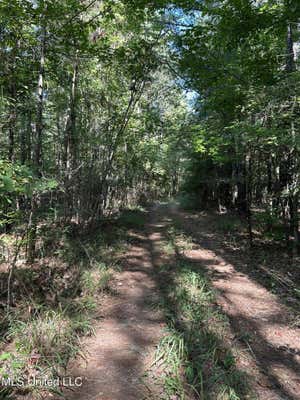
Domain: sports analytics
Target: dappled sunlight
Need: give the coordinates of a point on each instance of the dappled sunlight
(116, 118)
(273, 345)
(122, 349)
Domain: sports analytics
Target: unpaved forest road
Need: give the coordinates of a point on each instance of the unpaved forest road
(124, 344)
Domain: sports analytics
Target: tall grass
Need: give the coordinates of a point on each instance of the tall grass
(196, 359)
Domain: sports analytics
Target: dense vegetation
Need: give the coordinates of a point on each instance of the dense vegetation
(94, 115)
(241, 58)
(110, 105)
(83, 107)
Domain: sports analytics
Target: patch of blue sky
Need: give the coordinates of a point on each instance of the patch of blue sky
(181, 19)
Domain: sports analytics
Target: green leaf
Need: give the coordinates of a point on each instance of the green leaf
(5, 356)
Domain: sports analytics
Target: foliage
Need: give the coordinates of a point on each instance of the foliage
(106, 106)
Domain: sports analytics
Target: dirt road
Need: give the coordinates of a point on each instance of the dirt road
(120, 353)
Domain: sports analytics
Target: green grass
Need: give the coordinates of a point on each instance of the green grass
(55, 304)
(196, 361)
(168, 247)
(52, 335)
(96, 280)
(40, 347)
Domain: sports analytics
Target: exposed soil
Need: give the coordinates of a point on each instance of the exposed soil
(258, 319)
(119, 356)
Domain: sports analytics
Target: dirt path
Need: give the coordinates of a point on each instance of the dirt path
(123, 348)
(124, 345)
(255, 314)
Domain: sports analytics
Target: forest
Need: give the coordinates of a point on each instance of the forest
(149, 199)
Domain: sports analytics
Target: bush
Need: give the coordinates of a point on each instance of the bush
(132, 218)
(189, 201)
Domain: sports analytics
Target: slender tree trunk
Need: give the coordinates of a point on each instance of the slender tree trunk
(290, 56)
(32, 229)
(12, 123)
(294, 221)
(23, 135)
(40, 105)
(71, 144)
(71, 134)
(134, 98)
(294, 197)
(293, 159)
(31, 233)
(29, 137)
(248, 163)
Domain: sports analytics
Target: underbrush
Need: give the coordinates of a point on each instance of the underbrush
(132, 218)
(54, 303)
(189, 201)
(228, 224)
(271, 227)
(40, 339)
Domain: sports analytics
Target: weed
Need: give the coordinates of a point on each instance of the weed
(168, 247)
(82, 305)
(184, 242)
(192, 352)
(82, 325)
(95, 280)
(40, 348)
(50, 335)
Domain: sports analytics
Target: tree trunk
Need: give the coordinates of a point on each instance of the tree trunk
(40, 105)
(71, 144)
(290, 56)
(248, 169)
(32, 229)
(12, 123)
